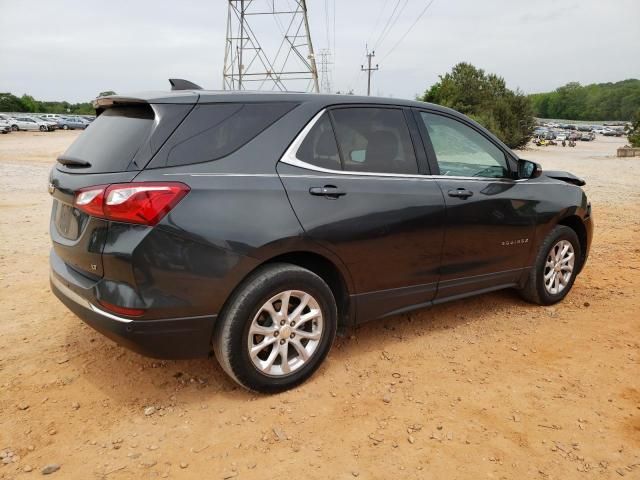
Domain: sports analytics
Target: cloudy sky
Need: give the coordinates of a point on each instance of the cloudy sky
(73, 49)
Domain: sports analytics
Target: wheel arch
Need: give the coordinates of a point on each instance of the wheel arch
(329, 272)
(576, 223)
(333, 273)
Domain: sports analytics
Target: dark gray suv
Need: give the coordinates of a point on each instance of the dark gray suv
(256, 225)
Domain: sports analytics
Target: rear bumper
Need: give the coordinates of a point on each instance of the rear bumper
(174, 338)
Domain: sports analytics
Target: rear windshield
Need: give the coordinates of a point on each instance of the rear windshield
(213, 131)
(113, 138)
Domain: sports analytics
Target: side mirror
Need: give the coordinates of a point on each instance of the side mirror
(528, 169)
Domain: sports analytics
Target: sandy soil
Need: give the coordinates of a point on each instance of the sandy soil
(489, 387)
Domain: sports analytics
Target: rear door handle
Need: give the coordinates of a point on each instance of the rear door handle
(329, 191)
(460, 193)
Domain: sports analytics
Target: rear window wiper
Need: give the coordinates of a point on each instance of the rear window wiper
(73, 162)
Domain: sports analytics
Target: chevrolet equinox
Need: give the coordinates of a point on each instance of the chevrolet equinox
(257, 224)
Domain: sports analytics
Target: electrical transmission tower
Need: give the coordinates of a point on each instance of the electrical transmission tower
(325, 76)
(369, 69)
(269, 48)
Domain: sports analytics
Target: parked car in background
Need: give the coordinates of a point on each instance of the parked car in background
(561, 137)
(10, 120)
(31, 123)
(587, 136)
(51, 124)
(260, 223)
(610, 132)
(70, 123)
(574, 136)
(50, 116)
(4, 126)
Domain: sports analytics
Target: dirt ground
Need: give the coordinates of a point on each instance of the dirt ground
(489, 387)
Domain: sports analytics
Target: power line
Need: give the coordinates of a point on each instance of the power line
(409, 29)
(395, 20)
(393, 12)
(384, 6)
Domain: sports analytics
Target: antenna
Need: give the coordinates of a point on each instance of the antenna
(288, 64)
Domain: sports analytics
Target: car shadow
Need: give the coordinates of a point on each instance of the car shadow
(125, 376)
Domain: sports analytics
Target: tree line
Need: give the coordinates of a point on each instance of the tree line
(598, 101)
(28, 104)
(509, 114)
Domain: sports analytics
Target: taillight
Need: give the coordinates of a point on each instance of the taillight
(131, 312)
(142, 202)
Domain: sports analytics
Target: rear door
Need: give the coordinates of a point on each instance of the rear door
(490, 216)
(356, 183)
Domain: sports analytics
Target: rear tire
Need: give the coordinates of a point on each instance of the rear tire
(556, 266)
(255, 332)
(14, 128)
(43, 128)
(65, 127)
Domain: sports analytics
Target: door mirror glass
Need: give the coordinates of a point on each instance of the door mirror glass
(528, 169)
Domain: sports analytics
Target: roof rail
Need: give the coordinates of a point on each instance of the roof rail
(181, 84)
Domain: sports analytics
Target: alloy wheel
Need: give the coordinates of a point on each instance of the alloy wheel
(558, 268)
(285, 333)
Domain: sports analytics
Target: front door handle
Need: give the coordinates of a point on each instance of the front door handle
(329, 191)
(460, 193)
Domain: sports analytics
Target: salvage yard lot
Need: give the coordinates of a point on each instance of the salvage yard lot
(489, 387)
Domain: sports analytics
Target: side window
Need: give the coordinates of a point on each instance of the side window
(374, 140)
(461, 151)
(319, 147)
(213, 131)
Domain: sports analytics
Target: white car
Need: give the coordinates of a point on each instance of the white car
(561, 137)
(28, 123)
(10, 120)
(5, 127)
(50, 116)
(52, 124)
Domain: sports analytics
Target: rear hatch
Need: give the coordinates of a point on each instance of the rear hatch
(113, 149)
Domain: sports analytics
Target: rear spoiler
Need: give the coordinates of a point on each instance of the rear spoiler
(183, 92)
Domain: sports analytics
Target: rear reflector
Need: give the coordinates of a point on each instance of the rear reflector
(130, 312)
(141, 202)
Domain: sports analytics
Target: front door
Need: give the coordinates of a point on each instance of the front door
(490, 217)
(358, 191)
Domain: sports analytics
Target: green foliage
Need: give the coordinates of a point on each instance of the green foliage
(634, 131)
(28, 104)
(601, 101)
(486, 99)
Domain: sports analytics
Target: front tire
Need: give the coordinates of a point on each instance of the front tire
(276, 329)
(555, 269)
(43, 128)
(65, 127)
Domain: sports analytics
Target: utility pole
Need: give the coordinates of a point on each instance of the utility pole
(369, 69)
(286, 64)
